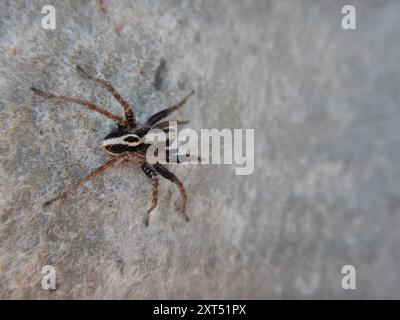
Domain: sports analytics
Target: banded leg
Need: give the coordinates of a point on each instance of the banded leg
(151, 173)
(173, 178)
(90, 176)
(129, 114)
(166, 112)
(141, 131)
(173, 156)
(84, 103)
(165, 124)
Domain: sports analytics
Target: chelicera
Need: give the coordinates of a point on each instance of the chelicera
(127, 142)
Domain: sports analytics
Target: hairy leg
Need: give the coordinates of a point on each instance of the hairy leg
(165, 124)
(173, 178)
(151, 173)
(173, 156)
(129, 114)
(166, 112)
(84, 103)
(90, 176)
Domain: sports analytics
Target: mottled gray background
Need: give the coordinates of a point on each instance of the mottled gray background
(324, 103)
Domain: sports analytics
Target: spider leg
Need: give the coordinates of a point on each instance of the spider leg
(152, 174)
(129, 114)
(166, 112)
(173, 178)
(90, 176)
(165, 124)
(84, 103)
(173, 154)
(143, 130)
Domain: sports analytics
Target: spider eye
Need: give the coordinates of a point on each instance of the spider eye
(131, 139)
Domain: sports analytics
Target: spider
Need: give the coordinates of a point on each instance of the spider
(126, 142)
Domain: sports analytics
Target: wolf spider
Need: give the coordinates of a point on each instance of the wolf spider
(127, 142)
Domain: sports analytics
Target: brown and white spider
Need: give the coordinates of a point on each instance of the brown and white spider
(127, 142)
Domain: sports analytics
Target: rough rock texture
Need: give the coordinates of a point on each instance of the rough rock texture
(324, 103)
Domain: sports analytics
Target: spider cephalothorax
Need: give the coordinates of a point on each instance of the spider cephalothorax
(119, 142)
(128, 142)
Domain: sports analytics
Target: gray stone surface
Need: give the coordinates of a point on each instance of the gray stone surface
(324, 104)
